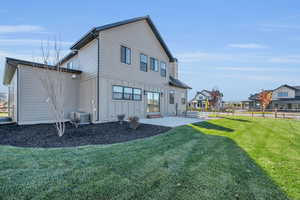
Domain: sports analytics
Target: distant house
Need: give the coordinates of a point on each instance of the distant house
(119, 68)
(285, 97)
(201, 98)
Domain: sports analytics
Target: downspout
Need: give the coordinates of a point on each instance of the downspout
(98, 76)
(18, 95)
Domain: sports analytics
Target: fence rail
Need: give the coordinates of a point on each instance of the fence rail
(270, 113)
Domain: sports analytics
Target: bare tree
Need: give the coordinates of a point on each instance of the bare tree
(52, 81)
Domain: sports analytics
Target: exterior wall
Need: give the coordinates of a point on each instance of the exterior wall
(33, 107)
(291, 93)
(139, 38)
(88, 97)
(110, 108)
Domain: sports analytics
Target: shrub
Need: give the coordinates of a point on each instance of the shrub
(134, 122)
(121, 118)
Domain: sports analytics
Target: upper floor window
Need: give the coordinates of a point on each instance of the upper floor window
(283, 94)
(125, 55)
(153, 64)
(171, 97)
(163, 69)
(143, 62)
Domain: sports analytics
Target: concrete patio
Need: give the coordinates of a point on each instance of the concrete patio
(171, 121)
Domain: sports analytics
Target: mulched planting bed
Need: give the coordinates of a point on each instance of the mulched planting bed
(45, 135)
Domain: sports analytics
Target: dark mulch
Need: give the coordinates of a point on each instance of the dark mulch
(45, 135)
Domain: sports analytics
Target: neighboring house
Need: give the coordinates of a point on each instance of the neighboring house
(120, 68)
(198, 102)
(201, 98)
(284, 97)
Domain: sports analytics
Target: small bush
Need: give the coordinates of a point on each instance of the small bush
(121, 118)
(134, 122)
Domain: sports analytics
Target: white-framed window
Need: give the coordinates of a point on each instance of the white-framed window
(154, 64)
(163, 69)
(143, 62)
(125, 55)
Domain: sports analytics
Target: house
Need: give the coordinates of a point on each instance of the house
(200, 99)
(206, 97)
(285, 97)
(119, 68)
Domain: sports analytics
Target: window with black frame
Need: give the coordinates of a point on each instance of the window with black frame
(154, 64)
(153, 102)
(163, 69)
(143, 62)
(137, 94)
(117, 92)
(125, 55)
(127, 93)
(171, 97)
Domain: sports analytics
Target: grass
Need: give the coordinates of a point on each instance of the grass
(230, 158)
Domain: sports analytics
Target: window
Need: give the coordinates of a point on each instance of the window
(153, 104)
(117, 92)
(70, 65)
(137, 94)
(154, 64)
(163, 70)
(283, 94)
(143, 62)
(171, 97)
(125, 55)
(126, 93)
(183, 101)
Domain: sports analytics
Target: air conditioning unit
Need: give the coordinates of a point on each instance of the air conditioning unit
(80, 117)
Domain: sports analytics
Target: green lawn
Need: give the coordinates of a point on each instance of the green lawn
(233, 158)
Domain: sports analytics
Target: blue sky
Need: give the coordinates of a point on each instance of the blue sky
(240, 47)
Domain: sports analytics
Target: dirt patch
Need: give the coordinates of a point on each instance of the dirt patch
(45, 135)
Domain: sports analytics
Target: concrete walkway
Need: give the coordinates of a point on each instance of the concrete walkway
(171, 121)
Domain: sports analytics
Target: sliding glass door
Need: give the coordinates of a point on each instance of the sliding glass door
(153, 99)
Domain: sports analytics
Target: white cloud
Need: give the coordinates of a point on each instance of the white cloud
(20, 28)
(286, 59)
(194, 57)
(32, 42)
(202, 56)
(257, 69)
(248, 46)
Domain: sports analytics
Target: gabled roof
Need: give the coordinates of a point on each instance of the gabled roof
(288, 86)
(177, 83)
(94, 32)
(12, 64)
